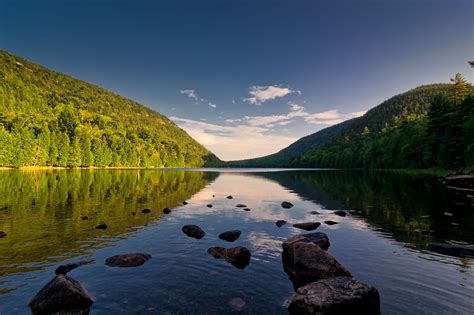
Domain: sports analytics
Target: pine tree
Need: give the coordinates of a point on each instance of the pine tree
(459, 90)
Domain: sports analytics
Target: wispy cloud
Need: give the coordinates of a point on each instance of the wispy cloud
(261, 94)
(234, 142)
(212, 105)
(190, 93)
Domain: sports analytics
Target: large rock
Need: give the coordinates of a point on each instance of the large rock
(318, 238)
(341, 295)
(127, 260)
(192, 230)
(457, 250)
(238, 256)
(61, 295)
(286, 205)
(308, 226)
(230, 236)
(306, 262)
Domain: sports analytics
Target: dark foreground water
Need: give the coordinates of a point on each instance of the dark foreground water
(382, 242)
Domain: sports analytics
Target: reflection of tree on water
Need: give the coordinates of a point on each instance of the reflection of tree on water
(41, 210)
(396, 202)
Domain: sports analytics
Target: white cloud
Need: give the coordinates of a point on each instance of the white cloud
(330, 117)
(261, 94)
(234, 142)
(190, 93)
(212, 105)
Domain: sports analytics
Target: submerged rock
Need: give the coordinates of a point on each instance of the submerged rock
(229, 197)
(458, 250)
(192, 230)
(127, 260)
(306, 262)
(230, 236)
(102, 226)
(64, 269)
(318, 238)
(340, 213)
(237, 304)
(62, 294)
(280, 223)
(341, 295)
(166, 210)
(146, 210)
(240, 205)
(2, 234)
(286, 204)
(329, 222)
(238, 256)
(308, 226)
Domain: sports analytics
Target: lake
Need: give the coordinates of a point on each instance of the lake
(382, 241)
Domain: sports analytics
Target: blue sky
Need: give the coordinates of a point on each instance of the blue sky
(246, 77)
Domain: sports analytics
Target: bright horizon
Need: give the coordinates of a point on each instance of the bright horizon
(247, 79)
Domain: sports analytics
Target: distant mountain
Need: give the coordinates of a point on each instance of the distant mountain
(394, 134)
(48, 118)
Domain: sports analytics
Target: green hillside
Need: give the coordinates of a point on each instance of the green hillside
(51, 119)
(429, 126)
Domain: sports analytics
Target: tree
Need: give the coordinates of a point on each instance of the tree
(459, 90)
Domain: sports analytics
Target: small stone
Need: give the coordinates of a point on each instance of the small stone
(241, 205)
(340, 213)
(329, 222)
(134, 213)
(102, 226)
(166, 210)
(280, 223)
(146, 210)
(2, 234)
(314, 212)
(230, 236)
(84, 217)
(209, 206)
(237, 304)
(127, 260)
(247, 209)
(286, 204)
(229, 197)
(308, 226)
(184, 203)
(192, 230)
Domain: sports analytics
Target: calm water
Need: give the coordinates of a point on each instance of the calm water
(379, 242)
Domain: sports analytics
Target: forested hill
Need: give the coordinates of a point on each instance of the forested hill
(47, 118)
(429, 126)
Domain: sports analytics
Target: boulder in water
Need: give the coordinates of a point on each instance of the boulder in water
(127, 260)
(308, 226)
(280, 223)
(166, 210)
(230, 236)
(63, 295)
(286, 205)
(329, 222)
(340, 295)
(102, 226)
(192, 230)
(238, 256)
(146, 210)
(340, 213)
(2, 234)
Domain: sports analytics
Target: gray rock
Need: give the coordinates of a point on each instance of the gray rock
(340, 213)
(308, 226)
(238, 256)
(192, 230)
(286, 204)
(62, 294)
(230, 236)
(306, 262)
(341, 295)
(318, 238)
(127, 260)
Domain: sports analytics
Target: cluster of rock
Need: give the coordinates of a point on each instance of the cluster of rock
(323, 285)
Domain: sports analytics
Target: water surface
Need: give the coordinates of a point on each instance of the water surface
(383, 241)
